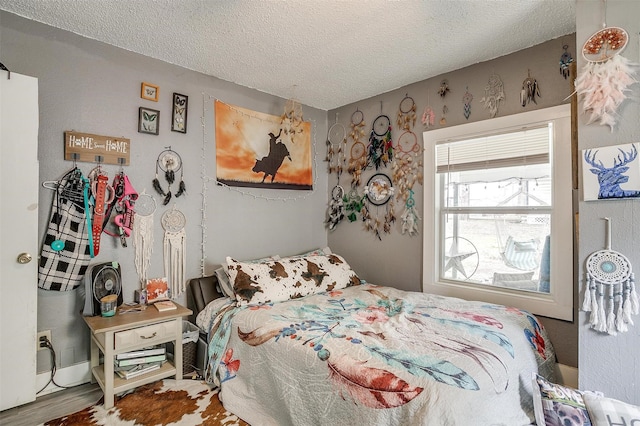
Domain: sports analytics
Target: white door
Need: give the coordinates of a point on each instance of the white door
(18, 238)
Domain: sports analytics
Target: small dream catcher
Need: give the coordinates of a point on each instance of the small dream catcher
(466, 100)
(565, 62)
(606, 75)
(291, 120)
(336, 207)
(357, 158)
(406, 113)
(380, 149)
(378, 192)
(493, 94)
(174, 249)
(336, 136)
(143, 234)
(170, 163)
(407, 169)
(410, 216)
(530, 90)
(610, 288)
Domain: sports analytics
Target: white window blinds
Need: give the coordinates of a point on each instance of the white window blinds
(529, 146)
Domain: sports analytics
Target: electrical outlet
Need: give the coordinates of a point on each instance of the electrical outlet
(41, 334)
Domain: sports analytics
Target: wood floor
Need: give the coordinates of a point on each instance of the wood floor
(52, 406)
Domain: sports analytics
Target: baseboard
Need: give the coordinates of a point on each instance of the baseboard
(567, 375)
(73, 375)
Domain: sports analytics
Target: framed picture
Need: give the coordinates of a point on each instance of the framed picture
(157, 289)
(611, 172)
(179, 117)
(148, 120)
(150, 92)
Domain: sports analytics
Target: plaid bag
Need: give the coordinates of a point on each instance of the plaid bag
(64, 270)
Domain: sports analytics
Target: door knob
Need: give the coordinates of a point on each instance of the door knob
(24, 258)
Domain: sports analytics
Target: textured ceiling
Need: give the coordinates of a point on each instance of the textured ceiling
(325, 53)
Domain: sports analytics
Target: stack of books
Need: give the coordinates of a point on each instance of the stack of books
(136, 363)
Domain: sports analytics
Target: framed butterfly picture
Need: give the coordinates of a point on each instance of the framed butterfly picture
(179, 117)
(148, 120)
(150, 92)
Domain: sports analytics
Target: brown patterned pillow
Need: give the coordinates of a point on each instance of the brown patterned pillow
(288, 278)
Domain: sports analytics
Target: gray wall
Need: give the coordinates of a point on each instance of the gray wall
(609, 363)
(91, 87)
(397, 259)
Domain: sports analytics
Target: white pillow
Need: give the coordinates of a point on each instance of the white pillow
(608, 411)
(288, 278)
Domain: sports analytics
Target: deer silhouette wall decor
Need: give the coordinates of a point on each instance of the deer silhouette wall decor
(611, 178)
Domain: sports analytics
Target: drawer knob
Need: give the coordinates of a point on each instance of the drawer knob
(150, 337)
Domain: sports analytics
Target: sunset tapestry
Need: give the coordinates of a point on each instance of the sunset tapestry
(253, 149)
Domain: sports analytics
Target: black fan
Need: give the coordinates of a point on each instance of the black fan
(101, 280)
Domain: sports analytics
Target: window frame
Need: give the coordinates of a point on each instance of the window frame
(558, 303)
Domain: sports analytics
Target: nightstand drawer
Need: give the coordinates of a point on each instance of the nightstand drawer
(147, 335)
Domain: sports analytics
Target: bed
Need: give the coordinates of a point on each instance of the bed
(303, 341)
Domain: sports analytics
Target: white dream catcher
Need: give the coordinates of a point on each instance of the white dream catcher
(143, 234)
(606, 76)
(610, 294)
(493, 94)
(173, 222)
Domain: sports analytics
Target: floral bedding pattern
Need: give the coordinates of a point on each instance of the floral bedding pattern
(376, 355)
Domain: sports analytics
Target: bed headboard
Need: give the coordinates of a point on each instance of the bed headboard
(201, 291)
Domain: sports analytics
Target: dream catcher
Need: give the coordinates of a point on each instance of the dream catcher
(610, 288)
(143, 234)
(407, 166)
(406, 113)
(466, 100)
(378, 192)
(530, 90)
(336, 136)
(443, 89)
(291, 120)
(410, 216)
(565, 62)
(357, 158)
(170, 163)
(606, 75)
(493, 95)
(353, 204)
(336, 207)
(380, 149)
(174, 245)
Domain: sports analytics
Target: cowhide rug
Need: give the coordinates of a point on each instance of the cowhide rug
(165, 402)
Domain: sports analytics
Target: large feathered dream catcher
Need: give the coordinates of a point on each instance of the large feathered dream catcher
(606, 76)
(610, 294)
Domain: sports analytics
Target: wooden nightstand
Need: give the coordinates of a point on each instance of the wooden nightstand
(132, 331)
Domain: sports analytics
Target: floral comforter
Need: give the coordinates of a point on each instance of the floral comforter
(371, 355)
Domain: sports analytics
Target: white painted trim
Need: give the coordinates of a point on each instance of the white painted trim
(557, 304)
(73, 375)
(567, 375)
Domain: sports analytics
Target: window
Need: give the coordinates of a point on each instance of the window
(498, 212)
